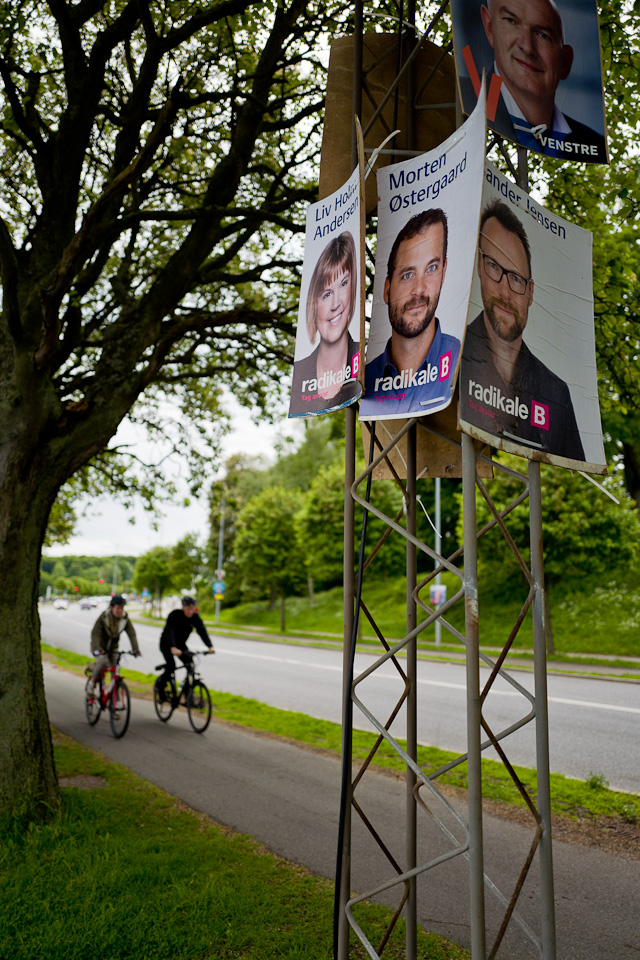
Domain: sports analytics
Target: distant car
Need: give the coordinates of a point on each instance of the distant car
(85, 604)
(60, 604)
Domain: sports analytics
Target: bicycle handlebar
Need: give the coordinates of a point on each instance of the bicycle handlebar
(181, 665)
(120, 653)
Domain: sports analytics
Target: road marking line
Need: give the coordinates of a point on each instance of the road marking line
(437, 683)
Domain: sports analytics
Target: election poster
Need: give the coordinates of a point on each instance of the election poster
(528, 381)
(327, 354)
(544, 72)
(428, 210)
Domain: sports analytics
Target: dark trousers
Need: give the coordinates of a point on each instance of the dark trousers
(170, 664)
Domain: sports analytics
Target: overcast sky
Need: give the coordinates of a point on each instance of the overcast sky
(107, 530)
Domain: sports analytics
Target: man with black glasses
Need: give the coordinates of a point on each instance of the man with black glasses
(504, 389)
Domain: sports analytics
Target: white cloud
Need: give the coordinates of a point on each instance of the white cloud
(107, 530)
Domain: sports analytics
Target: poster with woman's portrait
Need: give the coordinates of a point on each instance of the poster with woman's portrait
(327, 351)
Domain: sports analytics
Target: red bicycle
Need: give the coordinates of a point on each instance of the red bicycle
(111, 695)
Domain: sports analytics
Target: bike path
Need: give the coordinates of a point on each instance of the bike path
(288, 798)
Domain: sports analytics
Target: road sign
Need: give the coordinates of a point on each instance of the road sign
(218, 588)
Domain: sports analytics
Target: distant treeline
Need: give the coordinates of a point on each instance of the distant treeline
(64, 574)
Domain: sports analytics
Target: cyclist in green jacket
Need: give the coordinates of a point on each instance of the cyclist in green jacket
(105, 637)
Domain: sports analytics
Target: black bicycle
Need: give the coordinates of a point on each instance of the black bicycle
(111, 695)
(193, 694)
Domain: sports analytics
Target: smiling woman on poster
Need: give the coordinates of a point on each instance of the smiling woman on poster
(325, 380)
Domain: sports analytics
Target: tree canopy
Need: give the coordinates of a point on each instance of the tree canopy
(268, 553)
(154, 159)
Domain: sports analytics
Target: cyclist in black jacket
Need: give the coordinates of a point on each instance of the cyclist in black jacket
(173, 642)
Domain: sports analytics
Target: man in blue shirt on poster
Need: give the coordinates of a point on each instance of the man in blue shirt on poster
(413, 374)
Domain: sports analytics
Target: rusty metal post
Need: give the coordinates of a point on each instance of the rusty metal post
(342, 939)
(474, 762)
(347, 705)
(542, 716)
(411, 913)
(411, 909)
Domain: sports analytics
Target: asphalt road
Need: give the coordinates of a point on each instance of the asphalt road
(288, 798)
(594, 724)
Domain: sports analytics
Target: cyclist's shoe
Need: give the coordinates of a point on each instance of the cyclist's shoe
(162, 693)
(90, 690)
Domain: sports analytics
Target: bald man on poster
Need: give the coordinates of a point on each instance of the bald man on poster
(531, 58)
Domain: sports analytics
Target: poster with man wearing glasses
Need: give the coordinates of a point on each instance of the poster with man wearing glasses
(528, 380)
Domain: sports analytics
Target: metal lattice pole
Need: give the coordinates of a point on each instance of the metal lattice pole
(412, 699)
(542, 715)
(474, 761)
(469, 843)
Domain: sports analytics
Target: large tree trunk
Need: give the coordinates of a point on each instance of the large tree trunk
(273, 596)
(28, 782)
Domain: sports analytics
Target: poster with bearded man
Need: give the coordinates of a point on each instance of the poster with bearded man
(528, 382)
(428, 210)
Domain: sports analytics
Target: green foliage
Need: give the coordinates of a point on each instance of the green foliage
(187, 562)
(165, 568)
(295, 470)
(62, 521)
(583, 530)
(597, 781)
(154, 571)
(321, 447)
(70, 571)
(320, 526)
(267, 550)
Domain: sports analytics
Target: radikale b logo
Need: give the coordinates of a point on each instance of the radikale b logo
(445, 366)
(540, 415)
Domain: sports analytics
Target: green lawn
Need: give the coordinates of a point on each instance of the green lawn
(598, 615)
(124, 871)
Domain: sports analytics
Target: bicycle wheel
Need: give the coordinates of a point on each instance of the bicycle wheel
(164, 708)
(199, 707)
(92, 706)
(119, 710)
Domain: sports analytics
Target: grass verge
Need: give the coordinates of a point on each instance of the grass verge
(127, 871)
(577, 800)
(592, 615)
(566, 663)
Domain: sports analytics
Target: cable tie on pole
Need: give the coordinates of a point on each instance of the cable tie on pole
(599, 486)
(376, 152)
